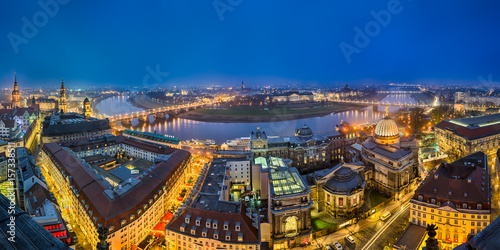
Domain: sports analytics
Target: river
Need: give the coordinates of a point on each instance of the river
(185, 129)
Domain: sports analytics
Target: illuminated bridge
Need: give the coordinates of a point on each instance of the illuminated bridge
(379, 103)
(158, 113)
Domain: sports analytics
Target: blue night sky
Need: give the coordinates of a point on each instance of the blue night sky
(112, 43)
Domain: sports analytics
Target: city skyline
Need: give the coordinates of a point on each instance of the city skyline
(250, 125)
(117, 45)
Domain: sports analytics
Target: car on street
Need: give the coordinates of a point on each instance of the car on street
(350, 239)
(337, 246)
(385, 216)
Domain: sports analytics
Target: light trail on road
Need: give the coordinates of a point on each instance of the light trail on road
(381, 231)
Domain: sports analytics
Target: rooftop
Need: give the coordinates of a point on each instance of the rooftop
(286, 181)
(464, 180)
(29, 234)
(152, 136)
(412, 237)
(112, 204)
(71, 123)
(475, 127)
(388, 151)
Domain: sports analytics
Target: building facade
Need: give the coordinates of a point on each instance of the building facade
(469, 135)
(87, 112)
(16, 95)
(72, 126)
(305, 149)
(339, 191)
(127, 210)
(455, 197)
(394, 169)
(63, 106)
(289, 208)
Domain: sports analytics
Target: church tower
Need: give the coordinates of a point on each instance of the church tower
(16, 96)
(63, 107)
(86, 108)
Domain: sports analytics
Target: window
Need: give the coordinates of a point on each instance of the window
(479, 206)
(226, 225)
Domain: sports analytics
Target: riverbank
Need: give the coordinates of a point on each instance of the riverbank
(254, 114)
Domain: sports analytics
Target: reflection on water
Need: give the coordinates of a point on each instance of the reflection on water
(185, 129)
(116, 105)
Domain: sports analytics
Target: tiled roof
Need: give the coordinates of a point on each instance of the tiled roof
(29, 234)
(249, 233)
(73, 128)
(92, 187)
(470, 132)
(463, 181)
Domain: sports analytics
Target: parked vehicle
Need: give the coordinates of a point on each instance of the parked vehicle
(350, 239)
(337, 246)
(385, 216)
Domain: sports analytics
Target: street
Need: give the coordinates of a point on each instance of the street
(371, 233)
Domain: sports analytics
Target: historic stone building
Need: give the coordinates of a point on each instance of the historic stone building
(292, 96)
(305, 149)
(469, 135)
(86, 108)
(394, 168)
(16, 96)
(63, 106)
(289, 208)
(339, 190)
(456, 198)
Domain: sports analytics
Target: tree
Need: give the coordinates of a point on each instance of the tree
(437, 114)
(417, 119)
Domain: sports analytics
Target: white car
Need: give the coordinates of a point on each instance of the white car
(350, 239)
(338, 246)
(385, 216)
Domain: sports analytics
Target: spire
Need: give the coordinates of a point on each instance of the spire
(15, 77)
(387, 111)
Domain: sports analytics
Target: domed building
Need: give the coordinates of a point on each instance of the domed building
(339, 190)
(386, 131)
(393, 166)
(304, 132)
(344, 192)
